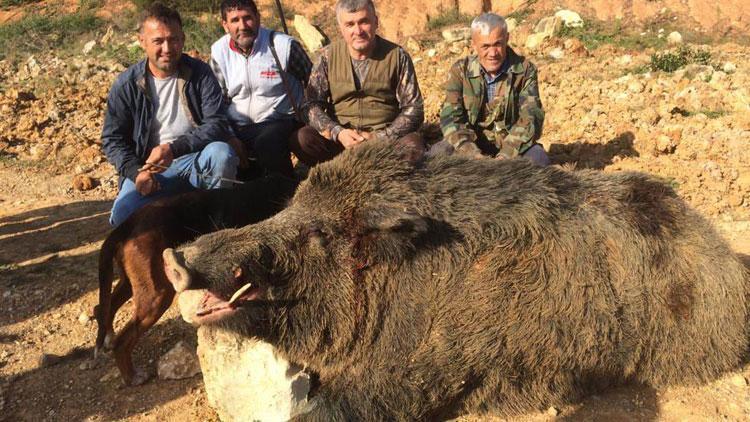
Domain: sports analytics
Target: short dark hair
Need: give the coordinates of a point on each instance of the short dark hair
(228, 5)
(161, 13)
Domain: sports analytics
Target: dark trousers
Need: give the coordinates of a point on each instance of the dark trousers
(267, 143)
(312, 148)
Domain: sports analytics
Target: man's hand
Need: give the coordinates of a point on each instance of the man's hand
(161, 156)
(146, 183)
(350, 138)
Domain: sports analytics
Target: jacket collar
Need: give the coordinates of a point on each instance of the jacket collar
(184, 71)
(474, 69)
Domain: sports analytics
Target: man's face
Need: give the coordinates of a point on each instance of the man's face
(358, 29)
(491, 49)
(163, 46)
(242, 26)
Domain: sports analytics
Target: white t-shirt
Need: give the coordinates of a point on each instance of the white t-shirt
(170, 116)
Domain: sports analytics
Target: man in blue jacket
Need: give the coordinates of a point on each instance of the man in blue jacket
(165, 125)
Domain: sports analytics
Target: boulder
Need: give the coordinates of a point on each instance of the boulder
(456, 34)
(309, 34)
(674, 38)
(246, 379)
(178, 363)
(548, 26)
(570, 18)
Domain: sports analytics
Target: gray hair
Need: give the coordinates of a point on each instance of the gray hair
(487, 22)
(351, 6)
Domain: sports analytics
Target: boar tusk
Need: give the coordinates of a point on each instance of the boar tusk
(240, 292)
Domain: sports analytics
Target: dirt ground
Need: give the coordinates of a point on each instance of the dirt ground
(691, 128)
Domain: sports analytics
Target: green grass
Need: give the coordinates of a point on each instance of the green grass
(450, 17)
(521, 14)
(673, 60)
(45, 33)
(4, 4)
(184, 5)
(200, 34)
(593, 34)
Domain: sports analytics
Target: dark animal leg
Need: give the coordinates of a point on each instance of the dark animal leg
(144, 317)
(122, 292)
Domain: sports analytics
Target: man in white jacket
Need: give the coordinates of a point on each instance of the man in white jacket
(262, 97)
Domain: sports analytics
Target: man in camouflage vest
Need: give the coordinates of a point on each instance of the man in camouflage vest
(492, 106)
(363, 88)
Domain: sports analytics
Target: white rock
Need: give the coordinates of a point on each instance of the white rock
(548, 26)
(431, 52)
(729, 67)
(625, 60)
(570, 18)
(83, 318)
(179, 363)
(557, 53)
(413, 45)
(456, 34)
(309, 34)
(533, 41)
(738, 380)
(674, 37)
(635, 87)
(512, 24)
(553, 411)
(89, 46)
(247, 380)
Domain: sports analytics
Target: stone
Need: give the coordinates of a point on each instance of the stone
(246, 379)
(88, 47)
(570, 18)
(729, 67)
(738, 380)
(575, 47)
(664, 144)
(674, 38)
(456, 34)
(635, 87)
(179, 363)
(82, 182)
(698, 71)
(413, 45)
(308, 33)
(533, 41)
(512, 24)
(557, 53)
(548, 26)
(83, 318)
(431, 52)
(33, 66)
(553, 411)
(736, 200)
(46, 360)
(108, 34)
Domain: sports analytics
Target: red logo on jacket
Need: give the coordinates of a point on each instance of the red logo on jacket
(269, 74)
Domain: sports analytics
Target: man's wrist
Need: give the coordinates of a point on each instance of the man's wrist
(335, 132)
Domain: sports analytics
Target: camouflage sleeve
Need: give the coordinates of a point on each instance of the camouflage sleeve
(409, 99)
(318, 98)
(454, 118)
(528, 127)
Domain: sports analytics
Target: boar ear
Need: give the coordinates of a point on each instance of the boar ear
(393, 220)
(388, 235)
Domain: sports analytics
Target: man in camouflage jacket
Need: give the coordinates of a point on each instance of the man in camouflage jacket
(492, 105)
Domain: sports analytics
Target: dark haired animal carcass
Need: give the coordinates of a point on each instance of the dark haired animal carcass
(426, 289)
(136, 246)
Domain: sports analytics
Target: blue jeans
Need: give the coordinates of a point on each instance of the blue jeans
(201, 170)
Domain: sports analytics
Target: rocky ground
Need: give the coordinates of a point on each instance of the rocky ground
(604, 111)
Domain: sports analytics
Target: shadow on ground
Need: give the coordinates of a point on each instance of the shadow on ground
(73, 393)
(593, 156)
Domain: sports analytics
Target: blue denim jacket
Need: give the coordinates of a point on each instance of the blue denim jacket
(125, 135)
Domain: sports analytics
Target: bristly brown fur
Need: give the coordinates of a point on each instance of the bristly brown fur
(439, 287)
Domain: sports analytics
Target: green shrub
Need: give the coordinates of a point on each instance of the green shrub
(4, 4)
(183, 6)
(594, 34)
(45, 33)
(449, 17)
(200, 34)
(671, 61)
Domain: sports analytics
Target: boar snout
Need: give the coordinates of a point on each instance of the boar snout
(177, 272)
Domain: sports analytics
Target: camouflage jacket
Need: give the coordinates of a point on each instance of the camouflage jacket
(466, 95)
